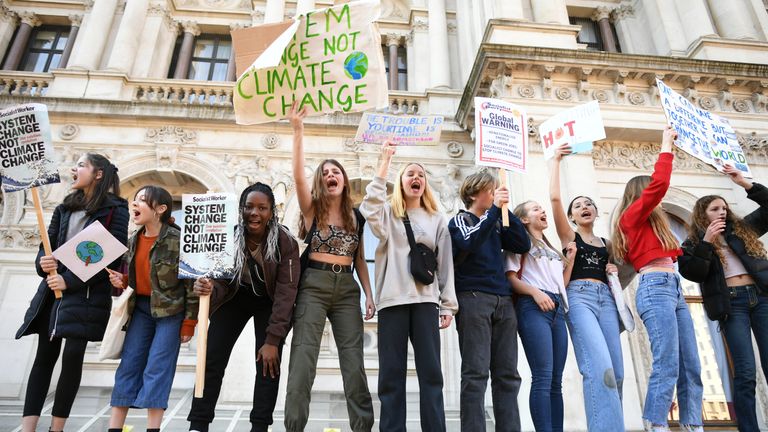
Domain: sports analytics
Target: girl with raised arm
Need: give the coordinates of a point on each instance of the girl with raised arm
(642, 237)
(724, 254)
(593, 319)
(409, 309)
(82, 313)
(163, 311)
(333, 231)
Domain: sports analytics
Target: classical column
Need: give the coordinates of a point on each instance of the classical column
(694, 18)
(275, 11)
(510, 9)
(440, 72)
(304, 6)
(231, 68)
(95, 33)
(549, 11)
(126, 44)
(8, 22)
(191, 30)
(28, 21)
(74, 28)
(393, 43)
(602, 15)
(732, 19)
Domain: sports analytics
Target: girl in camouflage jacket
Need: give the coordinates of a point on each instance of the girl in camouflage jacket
(163, 311)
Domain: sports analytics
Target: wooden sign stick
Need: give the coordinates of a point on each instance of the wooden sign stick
(504, 211)
(43, 230)
(204, 307)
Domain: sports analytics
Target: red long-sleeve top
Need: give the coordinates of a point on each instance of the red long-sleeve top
(642, 244)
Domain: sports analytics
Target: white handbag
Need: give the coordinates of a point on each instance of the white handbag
(114, 335)
(625, 314)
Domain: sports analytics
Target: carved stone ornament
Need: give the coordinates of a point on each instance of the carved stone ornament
(75, 20)
(526, 91)
(636, 98)
(563, 93)
(166, 155)
(19, 237)
(420, 23)
(640, 156)
(707, 103)
(350, 145)
(741, 105)
(454, 149)
(270, 141)
(69, 131)
(171, 135)
(533, 131)
(600, 95)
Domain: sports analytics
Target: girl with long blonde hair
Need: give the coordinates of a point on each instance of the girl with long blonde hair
(642, 237)
(409, 309)
(327, 288)
(723, 253)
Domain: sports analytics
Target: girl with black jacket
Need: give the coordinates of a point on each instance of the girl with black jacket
(264, 288)
(82, 312)
(724, 254)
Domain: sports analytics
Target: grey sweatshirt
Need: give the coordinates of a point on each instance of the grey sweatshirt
(394, 283)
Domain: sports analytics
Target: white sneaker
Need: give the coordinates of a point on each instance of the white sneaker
(650, 427)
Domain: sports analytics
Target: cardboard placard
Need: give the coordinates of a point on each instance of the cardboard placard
(501, 135)
(400, 129)
(90, 251)
(26, 149)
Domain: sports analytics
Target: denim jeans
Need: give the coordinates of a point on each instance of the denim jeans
(418, 322)
(487, 326)
(748, 311)
(545, 341)
(665, 314)
(148, 360)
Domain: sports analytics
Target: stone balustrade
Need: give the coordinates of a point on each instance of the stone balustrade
(183, 92)
(24, 84)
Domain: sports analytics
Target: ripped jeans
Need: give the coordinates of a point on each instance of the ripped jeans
(593, 323)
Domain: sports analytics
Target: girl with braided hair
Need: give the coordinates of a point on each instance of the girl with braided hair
(724, 254)
(264, 288)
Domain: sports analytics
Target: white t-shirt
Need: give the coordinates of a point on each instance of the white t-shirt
(543, 268)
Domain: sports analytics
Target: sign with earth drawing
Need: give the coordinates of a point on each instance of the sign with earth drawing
(90, 251)
(26, 149)
(329, 60)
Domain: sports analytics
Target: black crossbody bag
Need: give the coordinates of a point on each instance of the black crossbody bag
(422, 259)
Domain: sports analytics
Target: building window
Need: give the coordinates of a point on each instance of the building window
(44, 49)
(402, 67)
(209, 60)
(589, 33)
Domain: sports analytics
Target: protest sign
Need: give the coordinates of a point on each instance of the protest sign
(26, 149)
(90, 251)
(702, 134)
(501, 134)
(328, 60)
(400, 129)
(208, 236)
(578, 127)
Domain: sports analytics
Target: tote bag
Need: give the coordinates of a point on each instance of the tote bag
(114, 335)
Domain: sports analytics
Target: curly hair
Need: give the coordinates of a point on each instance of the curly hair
(700, 222)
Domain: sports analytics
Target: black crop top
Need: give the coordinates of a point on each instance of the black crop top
(590, 261)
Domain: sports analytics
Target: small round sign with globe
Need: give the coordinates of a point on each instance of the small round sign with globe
(89, 252)
(356, 65)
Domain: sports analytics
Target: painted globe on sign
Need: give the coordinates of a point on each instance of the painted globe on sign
(356, 65)
(89, 252)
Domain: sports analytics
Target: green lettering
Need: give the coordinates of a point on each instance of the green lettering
(354, 39)
(344, 103)
(310, 24)
(264, 107)
(358, 94)
(240, 88)
(323, 72)
(328, 47)
(308, 99)
(330, 12)
(258, 87)
(299, 76)
(303, 54)
(287, 106)
(281, 77)
(328, 98)
(313, 72)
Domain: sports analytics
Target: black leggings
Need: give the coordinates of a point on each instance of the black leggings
(42, 370)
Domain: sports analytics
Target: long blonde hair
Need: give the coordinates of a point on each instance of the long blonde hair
(657, 219)
(520, 212)
(320, 201)
(700, 223)
(428, 201)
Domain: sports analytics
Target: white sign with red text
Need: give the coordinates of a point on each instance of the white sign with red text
(578, 127)
(501, 134)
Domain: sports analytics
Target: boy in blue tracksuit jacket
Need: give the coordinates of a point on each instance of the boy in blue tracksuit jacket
(486, 321)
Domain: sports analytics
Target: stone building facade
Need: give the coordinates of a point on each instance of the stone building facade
(149, 84)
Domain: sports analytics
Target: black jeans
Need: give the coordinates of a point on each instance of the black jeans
(226, 325)
(420, 323)
(42, 369)
(487, 327)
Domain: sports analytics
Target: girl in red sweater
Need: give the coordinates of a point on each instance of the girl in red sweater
(642, 237)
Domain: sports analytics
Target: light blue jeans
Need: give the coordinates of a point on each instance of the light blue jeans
(665, 314)
(593, 322)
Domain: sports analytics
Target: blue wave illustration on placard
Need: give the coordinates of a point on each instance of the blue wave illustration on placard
(13, 185)
(187, 271)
